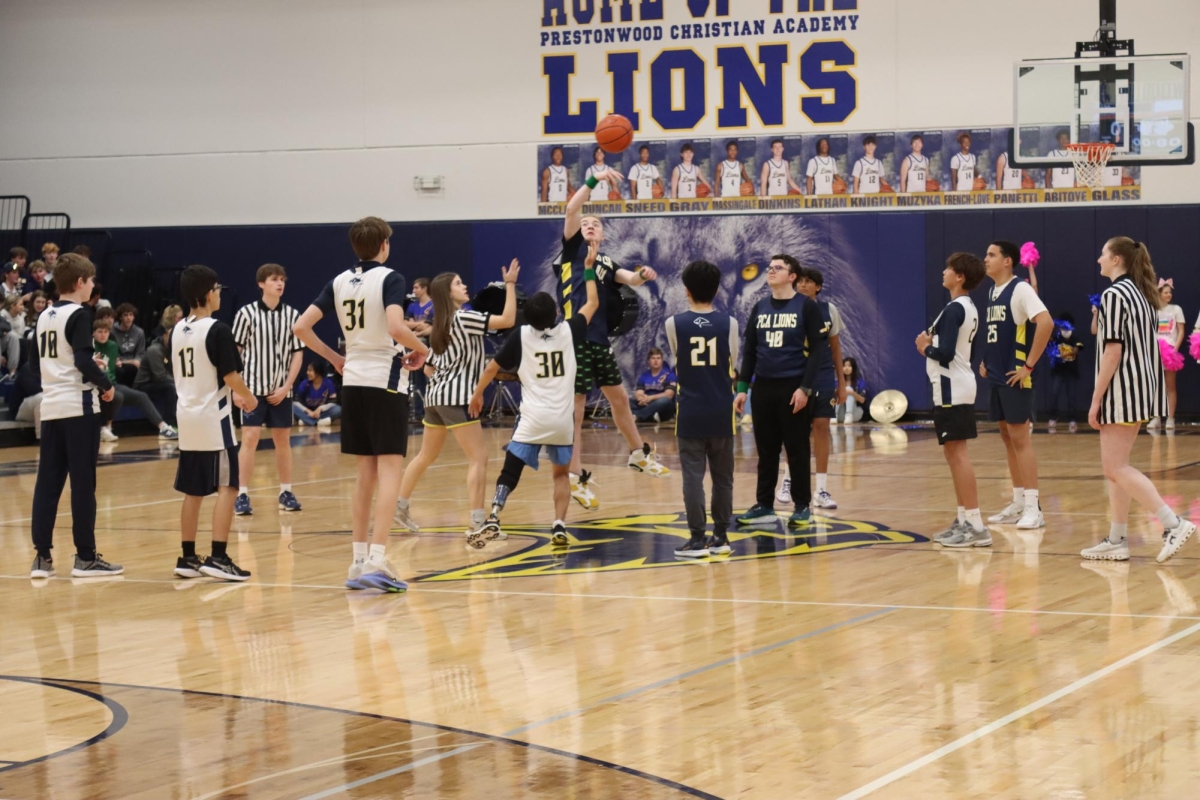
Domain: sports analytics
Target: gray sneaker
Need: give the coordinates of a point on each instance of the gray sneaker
(949, 533)
(405, 520)
(96, 568)
(969, 537)
(42, 568)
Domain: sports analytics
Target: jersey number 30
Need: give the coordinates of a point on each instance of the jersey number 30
(704, 351)
(551, 365)
(355, 310)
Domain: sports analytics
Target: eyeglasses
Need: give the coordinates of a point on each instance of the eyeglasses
(219, 288)
(774, 268)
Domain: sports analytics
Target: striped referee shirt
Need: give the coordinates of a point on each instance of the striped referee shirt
(1136, 393)
(267, 342)
(457, 370)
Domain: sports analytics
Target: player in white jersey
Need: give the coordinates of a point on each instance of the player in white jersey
(556, 179)
(868, 170)
(776, 180)
(368, 302)
(542, 354)
(914, 171)
(1113, 176)
(207, 369)
(645, 182)
(946, 346)
(962, 165)
(1062, 177)
(822, 169)
(72, 386)
(731, 173)
(1008, 177)
(686, 177)
(608, 179)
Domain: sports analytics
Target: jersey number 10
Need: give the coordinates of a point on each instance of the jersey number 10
(355, 310)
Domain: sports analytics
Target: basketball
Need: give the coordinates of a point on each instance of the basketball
(1027, 183)
(747, 189)
(702, 190)
(886, 188)
(614, 195)
(656, 192)
(932, 186)
(979, 185)
(614, 133)
(839, 185)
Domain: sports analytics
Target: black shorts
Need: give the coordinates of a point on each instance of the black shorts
(202, 472)
(824, 404)
(1010, 404)
(595, 365)
(264, 413)
(374, 422)
(954, 423)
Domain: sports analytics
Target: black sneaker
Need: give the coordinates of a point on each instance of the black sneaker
(718, 544)
(42, 568)
(223, 568)
(188, 567)
(96, 568)
(559, 537)
(695, 548)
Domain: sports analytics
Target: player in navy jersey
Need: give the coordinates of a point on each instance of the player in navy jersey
(830, 389)
(784, 345)
(705, 345)
(946, 346)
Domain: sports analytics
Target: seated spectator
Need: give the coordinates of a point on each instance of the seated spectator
(97, 300)
(17, 255)
(37, 279)
(27, 394)
(12, 281)
(107, 313)
(106, 357)
(170, 316)
(131, 343)
(83, 250)
(50, 257)
(35, 304)
(856, 393)
(154, 376)
(12, 334)
(314, 403)
(654, 398)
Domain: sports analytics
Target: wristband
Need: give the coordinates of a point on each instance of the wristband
(589, 274)
(742, 387)
(591, 182)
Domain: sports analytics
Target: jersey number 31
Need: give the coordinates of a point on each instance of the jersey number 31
(355, 311)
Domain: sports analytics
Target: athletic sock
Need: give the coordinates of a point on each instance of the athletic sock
(558, 522)
(975, 519)
(219, 549)
(378, 552)
(360, 551)
(962, 514)
(402, 503)
(285, 487)
(1167, 517)
(243, 490)
(1031, 500)
(822, 481)
(1117, 532)
(189, 549)
(478, 517)
(1019, 496)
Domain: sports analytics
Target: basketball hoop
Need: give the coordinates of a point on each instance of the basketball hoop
(1089, 159)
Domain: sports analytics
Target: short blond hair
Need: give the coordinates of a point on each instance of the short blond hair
(49, 247)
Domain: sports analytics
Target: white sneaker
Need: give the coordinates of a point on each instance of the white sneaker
(405, 520)
(824, 499)
(324, 422)
(581, 491)
(1052, 425)
(1031, 520)
(106, 435)
(1107, 551)
(968, 537)
(1153, 424)
(1011, 513)
(648, 463)
(949, 533)
(784, 495)
(1170, 423)
(1174, 539)
(356, 571)
(1074, 426)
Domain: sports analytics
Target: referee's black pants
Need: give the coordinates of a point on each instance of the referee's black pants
(70, 447)
(776, 428)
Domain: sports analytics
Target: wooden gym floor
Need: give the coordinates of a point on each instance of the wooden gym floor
(856, 660)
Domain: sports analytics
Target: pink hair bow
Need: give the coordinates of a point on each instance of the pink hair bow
(1030, 255)
(1166, 282)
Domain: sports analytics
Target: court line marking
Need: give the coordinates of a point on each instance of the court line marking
(425, 588)
(996, 725)
(725, 662)
(379, 776)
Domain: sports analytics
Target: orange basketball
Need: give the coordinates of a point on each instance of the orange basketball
(614, 133)
(1126, 180)
(839, 185)
(702, 190)
(793, 191)
(656, 191)
(614, 195)
(747, 189)
(886, 188)
(1027, 183)
(980, 184)
(932, 186)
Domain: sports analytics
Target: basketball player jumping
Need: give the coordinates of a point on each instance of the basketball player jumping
(731, 173)
(556, 179)
(776, 177)
(644, 179)
(596, 364)
(915, 170)
(686, 176)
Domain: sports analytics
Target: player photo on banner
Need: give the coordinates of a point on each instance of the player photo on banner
(558, 167)
(733, 175)
(966, 154)
(610, 177)
(646, 171)
(1053, 141)
(1005, 176)
(872, 163)
(825, 170)
(781, 164)
(691, 173)
(919, 160)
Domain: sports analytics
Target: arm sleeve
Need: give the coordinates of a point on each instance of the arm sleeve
(578, 327)
(947, 332)
(509, 357)
(813, 323)
(79, 334)
(474, 322)
(836, 326)
(394, 290)
(733, 344)
(750, 348)
(324, 300)
(241, 327)
(222, 350)
(1112, 316)
(671, 342)
(293, 318)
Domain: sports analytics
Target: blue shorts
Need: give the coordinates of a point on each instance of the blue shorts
(264, 413)
(559, 454)
(1010, 404)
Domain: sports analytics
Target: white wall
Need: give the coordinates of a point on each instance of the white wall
(164, 112)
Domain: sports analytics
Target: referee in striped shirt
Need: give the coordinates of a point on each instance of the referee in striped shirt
(272, 355)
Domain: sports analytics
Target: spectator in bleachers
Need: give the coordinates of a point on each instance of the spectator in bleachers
(170, 316)
(37, 279)
(654, 398)
(131, 342)
(97, 301)
(34, 305)
(106, 312)
(314, 404)
(106, 357)
(154, 375)
(83, 250)
(12, 281)
(50, 256)
(27, 396)
(12, 326)
(17, 255)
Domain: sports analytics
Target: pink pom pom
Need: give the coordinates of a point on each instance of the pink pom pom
(1195, 345)
(1030, 255)
(1172, 359)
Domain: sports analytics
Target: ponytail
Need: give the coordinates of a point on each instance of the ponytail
(1136, 258)
(443, 312)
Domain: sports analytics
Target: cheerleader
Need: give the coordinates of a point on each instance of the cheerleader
(1171, 323)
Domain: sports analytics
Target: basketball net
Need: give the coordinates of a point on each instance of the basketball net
(1089, 160)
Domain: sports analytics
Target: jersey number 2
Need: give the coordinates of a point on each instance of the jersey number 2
(355, 310)
(699, 346)
(187, 362)
(551, 365)
(49, 348)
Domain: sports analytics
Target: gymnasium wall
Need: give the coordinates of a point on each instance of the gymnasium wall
(165, 112)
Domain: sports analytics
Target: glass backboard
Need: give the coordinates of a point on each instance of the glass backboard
(1139, 104)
